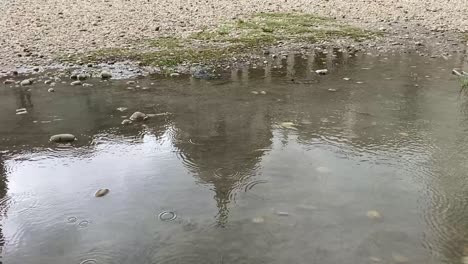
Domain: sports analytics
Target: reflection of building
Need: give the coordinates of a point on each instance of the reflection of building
(219, 139)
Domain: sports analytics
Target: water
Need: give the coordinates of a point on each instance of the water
(293, 176)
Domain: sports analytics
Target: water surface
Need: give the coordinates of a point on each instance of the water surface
(283, 177)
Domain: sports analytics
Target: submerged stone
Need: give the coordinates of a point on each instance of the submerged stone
(126, 122)
(101, 192)
(322, 72)
(138, 116)
(373, 215)
(62, 138)
(258, 220)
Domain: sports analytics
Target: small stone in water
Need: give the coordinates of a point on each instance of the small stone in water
(399, 258)
(61, 138)
(174, 74)
(101, 192)
(332, 90)
(26, 82)
(51, 90)
(282, 213)
(254, 92)
(126, 122)
(138, 116)
(130, 82)
(9, 81)
(122, 109)
(465, 260)
(47, 81)
(323, 169)
(346, 78)
(263, 92)
(106, 75)
(375, 259)
(76, 83)
(258, 220)
(373, 215)
(322, 71)
(289, 125)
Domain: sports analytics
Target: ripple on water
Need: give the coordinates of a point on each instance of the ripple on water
(444, 216)
(83, 223)
(72, 219)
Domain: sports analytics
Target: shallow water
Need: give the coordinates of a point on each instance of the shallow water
(291, 176)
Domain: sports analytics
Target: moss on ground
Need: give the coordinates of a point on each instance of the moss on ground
(235, 38)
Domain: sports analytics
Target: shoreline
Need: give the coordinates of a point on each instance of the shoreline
(221, 40)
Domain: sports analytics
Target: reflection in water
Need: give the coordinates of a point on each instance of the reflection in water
(391, 139)
(3, 202)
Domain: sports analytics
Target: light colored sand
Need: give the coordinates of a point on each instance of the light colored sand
(51, 27)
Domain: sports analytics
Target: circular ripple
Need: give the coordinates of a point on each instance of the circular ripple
(83, 223)
(89, 261)
(167, 216)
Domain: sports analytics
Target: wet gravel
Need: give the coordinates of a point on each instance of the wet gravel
(36, 32)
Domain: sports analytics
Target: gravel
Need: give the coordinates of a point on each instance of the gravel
(35, 32)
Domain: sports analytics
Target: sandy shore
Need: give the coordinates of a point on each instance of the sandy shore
(34, 32)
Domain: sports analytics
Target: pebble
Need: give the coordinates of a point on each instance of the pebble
(101, 192)
(76, 83)
(174, 74)
(126, 122)
(82, 77)
(121, 109)
(373, 215)
(288, 125)
(254, 92)
(62, 138)
(87, 84)
(106, 75)
(322, 72)
(138, 116)
(399, 258)
(9, 81)
(346, 78)
(332, 90)
(465, 260)
(282, 213)
(47, 81)
(130, 82)
(263, 92)
(258, 220)
(51, 90)
(26, 82)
